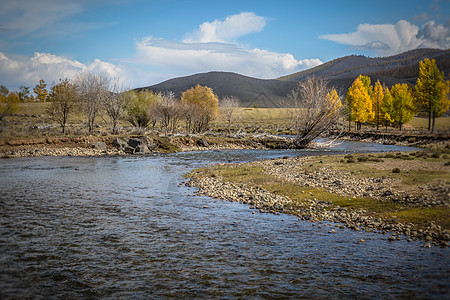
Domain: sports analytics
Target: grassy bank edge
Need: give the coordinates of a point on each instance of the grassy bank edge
(250, 174)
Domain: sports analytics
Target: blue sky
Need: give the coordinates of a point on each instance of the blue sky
(146, 42)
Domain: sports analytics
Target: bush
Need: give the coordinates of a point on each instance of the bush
(396, 170)
(436, 155)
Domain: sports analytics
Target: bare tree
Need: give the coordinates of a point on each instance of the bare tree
(63, 96)
(315, 108)
(168, 111)
(92, 89)
(115, 103)
(229, 105)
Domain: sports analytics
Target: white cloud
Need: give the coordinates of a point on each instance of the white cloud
(15, 71)
(213, 47)
(435, 35)
(389, 39)
(227, 30)
(201, 57)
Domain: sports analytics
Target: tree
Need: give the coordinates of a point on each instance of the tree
(92, 88)
(114, 104)
(359, 101)
(229, 105)
(168, 111)
(204, 104)
(402, 104)
(63, 96)
(41, 91)
(8, 102)
(431, 91)
(386, 107)
(3, 91)
(316, 108)
(139, 107)
(377, 102)
(25, 94)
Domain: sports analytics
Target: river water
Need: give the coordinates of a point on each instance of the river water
(123, 227)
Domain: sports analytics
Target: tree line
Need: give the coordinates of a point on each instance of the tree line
(380, 105)
(97, 95)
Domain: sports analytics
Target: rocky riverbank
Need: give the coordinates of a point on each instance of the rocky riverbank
(314, 209)
(133, 145)
(422, 139)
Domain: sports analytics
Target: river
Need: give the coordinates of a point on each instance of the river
(127, 228)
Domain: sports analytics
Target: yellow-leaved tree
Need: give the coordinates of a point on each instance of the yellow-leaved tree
(41, 91)
(386, 107)
(377, 101)
(432, 91)
(201, 106)
(359, 101)
(403, 107)
(8, 102)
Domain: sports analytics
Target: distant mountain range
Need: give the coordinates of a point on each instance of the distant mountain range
(341, 72)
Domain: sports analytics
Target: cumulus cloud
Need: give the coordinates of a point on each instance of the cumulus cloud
(201, 57)
(213, 46)
(389, 39)
(227, 30)
(15, 70)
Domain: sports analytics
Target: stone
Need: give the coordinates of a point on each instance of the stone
(129, 150)
(119, 144)
(202, 142)
(387, 193)
(134, 142)
(142, 149)
(99, 146)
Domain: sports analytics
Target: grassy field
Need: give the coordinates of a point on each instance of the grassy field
(422, 123)
(252, 120)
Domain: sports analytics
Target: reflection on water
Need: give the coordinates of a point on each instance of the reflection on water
(121, 227)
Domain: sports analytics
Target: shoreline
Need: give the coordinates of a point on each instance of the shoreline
(84, 145)
(337, 201)
(89, 146)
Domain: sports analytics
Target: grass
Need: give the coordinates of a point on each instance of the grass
(32, 122)
(254, 175)
(422, 123)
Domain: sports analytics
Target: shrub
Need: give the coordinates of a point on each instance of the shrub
(396, 170)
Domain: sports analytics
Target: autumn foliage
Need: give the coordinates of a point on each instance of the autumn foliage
(379, 105)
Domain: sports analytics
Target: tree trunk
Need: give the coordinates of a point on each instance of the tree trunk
(432, 125)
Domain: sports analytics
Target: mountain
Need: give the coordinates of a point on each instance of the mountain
(251, 91)
(400, 68)
(341, 72)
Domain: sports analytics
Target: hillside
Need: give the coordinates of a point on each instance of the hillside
(251, 91)
(341, 72)
(400, 68)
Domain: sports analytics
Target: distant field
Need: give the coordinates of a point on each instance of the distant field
(440, 123)
(250, 116)
(32, 108)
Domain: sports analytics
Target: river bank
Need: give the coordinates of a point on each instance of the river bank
(117, 145)
(400, 195)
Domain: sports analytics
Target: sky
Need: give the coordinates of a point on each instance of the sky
(146, 42)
